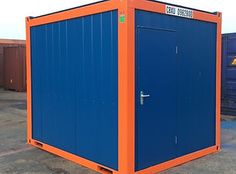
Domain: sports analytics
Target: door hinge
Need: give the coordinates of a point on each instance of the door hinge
(176, 49)
(176, 140)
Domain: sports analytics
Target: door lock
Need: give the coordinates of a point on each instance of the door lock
(142, 96)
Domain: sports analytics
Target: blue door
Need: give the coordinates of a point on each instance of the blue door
(156, 96)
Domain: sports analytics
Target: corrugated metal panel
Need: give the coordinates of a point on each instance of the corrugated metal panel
(74, 86)
(14, 68)
(7, 43)
(1, 66)
(186, 123)
(228, 89)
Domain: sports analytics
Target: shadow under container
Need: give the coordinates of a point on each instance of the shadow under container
(125, 87)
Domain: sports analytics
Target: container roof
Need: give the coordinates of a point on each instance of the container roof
(108, 0)
(69, 9)
(183, 6)
(11, 42)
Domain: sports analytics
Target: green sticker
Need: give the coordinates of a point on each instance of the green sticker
(122, 18)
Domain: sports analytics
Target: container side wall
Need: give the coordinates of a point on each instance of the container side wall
(228, 96)
(13, 68)
(75, 86)
(195, 86)
(22, 69)
(1, 66)
(23, 53)
(14, 65)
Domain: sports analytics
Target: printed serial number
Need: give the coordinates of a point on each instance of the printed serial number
(177, 11)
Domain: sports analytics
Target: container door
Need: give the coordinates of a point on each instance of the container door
(156, 71)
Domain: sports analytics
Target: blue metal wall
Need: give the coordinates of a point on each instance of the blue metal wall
(195, 100)
(228, 87)
(75, 86)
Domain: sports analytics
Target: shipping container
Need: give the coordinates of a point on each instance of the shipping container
(14, 64)
(125, 87)
(228, 95)
(7, 43)
(1, 66)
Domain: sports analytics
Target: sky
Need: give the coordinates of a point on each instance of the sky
(13, 12)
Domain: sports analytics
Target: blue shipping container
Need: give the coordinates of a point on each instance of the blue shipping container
(125, 87)
(228, 89)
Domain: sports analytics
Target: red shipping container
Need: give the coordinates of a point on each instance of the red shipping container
(14, 68)
(1, 66)
(6, 43)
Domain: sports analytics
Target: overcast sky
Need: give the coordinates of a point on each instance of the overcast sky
(13, 12)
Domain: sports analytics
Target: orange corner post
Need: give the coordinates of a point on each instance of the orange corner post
(126, 89)
(28, 78)
(218, 78)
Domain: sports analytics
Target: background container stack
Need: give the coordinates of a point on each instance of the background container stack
(228, 96)
(1, 66)
(14, 68)
(3, 44)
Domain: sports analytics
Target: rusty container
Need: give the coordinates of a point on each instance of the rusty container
(1, 66)
(6, 43)
(14, 68)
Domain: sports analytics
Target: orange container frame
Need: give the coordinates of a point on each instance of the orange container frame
(126, 83)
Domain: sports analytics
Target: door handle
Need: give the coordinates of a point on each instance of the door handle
(142, 96)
